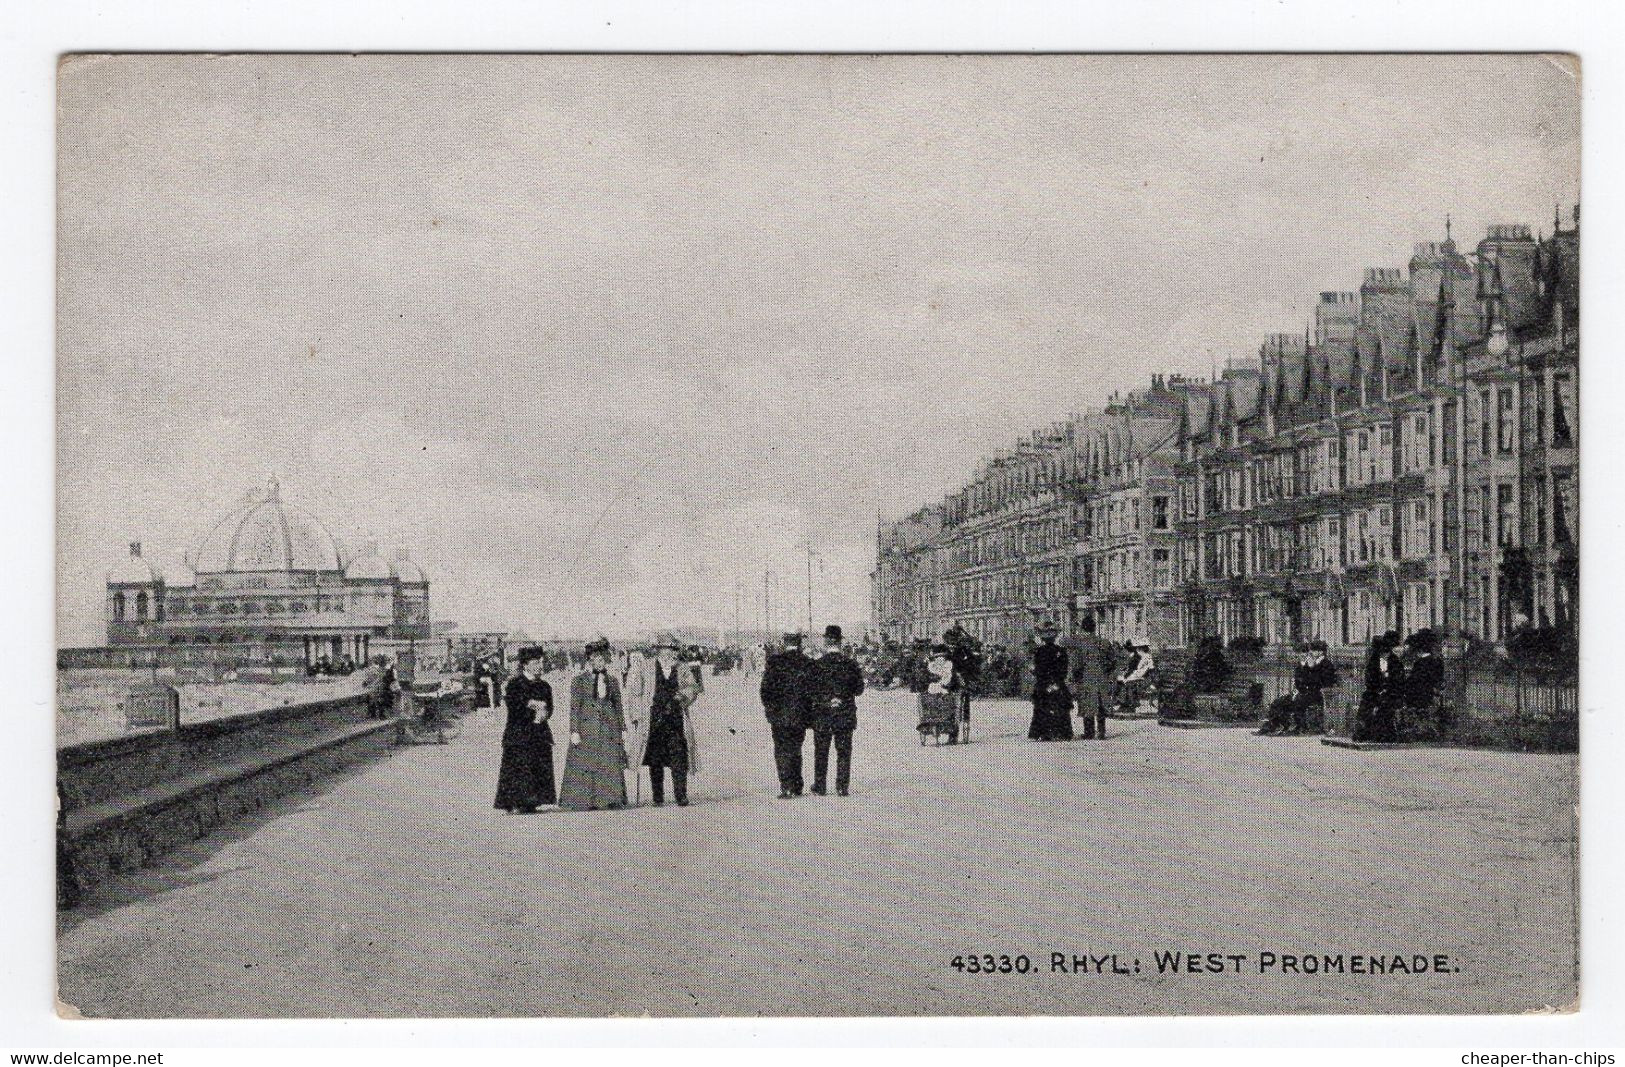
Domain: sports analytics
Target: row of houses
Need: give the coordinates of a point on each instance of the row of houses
(1410, 459)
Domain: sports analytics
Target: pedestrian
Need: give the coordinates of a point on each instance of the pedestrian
(381, 687)
(1419, 691)
(1052, 700)
(1382, 695)
(1314, 674)
(595, 763)
(787, 694)
(660, 697)
(525, 780)
(1135, 679)
(838, 681)
(1093, 662)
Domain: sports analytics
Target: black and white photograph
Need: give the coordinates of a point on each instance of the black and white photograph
(817, 535)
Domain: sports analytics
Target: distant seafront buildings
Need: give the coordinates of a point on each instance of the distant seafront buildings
(268, 581)
(1409, 460)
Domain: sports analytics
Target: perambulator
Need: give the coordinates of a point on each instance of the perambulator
(939, 717)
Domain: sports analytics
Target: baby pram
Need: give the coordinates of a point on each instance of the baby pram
(939, 717)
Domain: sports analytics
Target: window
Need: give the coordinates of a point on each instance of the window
(1506, 515)
(141, 606)
(118, 607)
(1447, 443)
(1504, 426)
(1484, 423)
(1560, 508)
(1485, 522)
(1416, 444)
(1540, 509)
(1562, 401)
(1159, 513)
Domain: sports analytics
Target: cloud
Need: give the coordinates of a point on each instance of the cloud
(600, 338)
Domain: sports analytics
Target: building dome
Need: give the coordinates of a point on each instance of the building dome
(407, 572)
(268, 535)
(368, 565)
(134, 569)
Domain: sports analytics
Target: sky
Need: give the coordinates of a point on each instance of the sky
(602, 340)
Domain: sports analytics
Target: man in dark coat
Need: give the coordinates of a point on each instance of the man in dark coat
(966, 654)
(787, 695)
(837, 681)
(381, 688)
(525, 782)
(1314, 674)
(1094, 665)
(1052, 700)
(1419, 692)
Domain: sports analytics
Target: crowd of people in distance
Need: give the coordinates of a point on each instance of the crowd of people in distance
(325, 666)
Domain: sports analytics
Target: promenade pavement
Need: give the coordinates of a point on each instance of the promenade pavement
(396, 890)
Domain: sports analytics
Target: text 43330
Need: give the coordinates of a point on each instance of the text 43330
(988, 963)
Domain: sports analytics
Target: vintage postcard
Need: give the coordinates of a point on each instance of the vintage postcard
(701, 535)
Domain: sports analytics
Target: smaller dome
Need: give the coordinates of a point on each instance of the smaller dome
(134, 569)
(369, 566)
(404, 570)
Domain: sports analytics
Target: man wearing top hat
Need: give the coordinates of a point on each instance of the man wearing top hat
(658, 699)
(786, 691)
(837, 681)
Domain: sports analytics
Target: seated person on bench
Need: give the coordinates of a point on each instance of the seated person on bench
(1289, 713)
(1424, 674)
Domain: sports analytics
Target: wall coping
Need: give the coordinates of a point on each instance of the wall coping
(73, 756)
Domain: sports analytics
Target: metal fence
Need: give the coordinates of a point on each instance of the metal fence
(1486, 703)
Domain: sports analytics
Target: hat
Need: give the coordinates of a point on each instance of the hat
(668, 640)
(531, 653)
(1424, 640)
(792, 639)
(939, 649)
(1141, 642)
(1317, 645)
(598, 647)
(1048, 628)
(832, 633)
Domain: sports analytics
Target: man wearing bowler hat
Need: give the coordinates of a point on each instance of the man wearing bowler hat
(837, 681)
(787, 700)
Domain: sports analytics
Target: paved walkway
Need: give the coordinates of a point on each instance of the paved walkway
(397, 890)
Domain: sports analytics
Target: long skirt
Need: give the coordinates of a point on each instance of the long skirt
(1052, 717)
(525, 779)
(593, 774)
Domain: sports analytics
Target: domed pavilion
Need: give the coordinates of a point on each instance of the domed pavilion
(269, 579)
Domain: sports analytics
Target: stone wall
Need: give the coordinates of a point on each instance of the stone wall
(126, 801)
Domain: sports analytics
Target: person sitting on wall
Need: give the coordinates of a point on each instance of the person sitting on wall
(1381, 697)
(1314, 674)
(1419, 690)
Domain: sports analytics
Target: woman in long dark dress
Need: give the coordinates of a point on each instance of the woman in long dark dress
(1384, 690)
(525, 780)
(595, 764)
(1052, 700)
